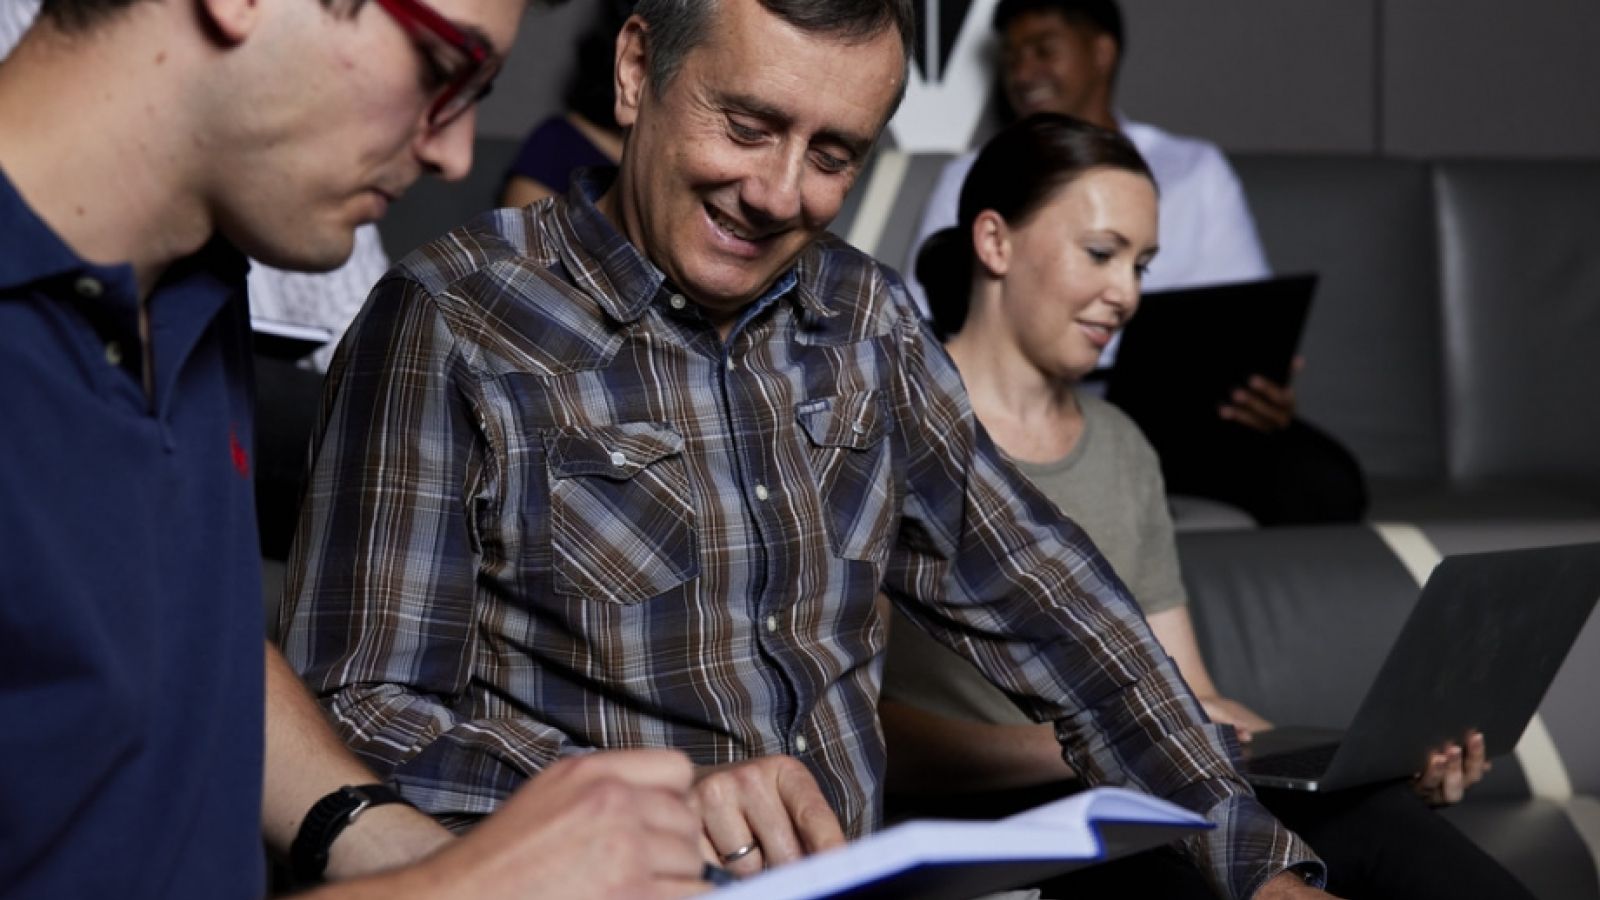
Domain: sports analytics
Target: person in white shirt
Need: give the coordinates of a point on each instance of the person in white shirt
(1062, 56)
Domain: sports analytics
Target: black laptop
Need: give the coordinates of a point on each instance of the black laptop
(1478, 652)
(1186, 350)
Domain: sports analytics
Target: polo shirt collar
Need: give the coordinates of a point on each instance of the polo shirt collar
(34, 252)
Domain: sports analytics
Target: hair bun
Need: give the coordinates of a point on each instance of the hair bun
(944, 266)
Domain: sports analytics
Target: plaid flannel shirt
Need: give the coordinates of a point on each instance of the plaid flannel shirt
(552, 511)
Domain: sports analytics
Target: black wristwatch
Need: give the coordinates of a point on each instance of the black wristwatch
(308, 855)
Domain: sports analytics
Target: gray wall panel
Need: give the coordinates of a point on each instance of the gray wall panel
(1452, 77)
(1258, 75)
(1487, 78)
(536, 71)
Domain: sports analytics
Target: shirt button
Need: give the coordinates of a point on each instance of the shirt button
(772, 623)
(618, 458)
(677, 301)
(800, 743)
(89, 287)
(761, 492)
(114, 353)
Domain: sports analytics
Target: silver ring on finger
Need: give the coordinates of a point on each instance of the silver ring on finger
(742, 852)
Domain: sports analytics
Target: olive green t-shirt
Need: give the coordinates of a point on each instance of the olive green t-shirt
(1110, 484)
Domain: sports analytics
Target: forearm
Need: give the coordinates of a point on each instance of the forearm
(305, 761)
(1174, 630)
(933, 753)
(396, 884)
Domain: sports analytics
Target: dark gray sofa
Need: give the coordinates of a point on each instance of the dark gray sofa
(1453, 347)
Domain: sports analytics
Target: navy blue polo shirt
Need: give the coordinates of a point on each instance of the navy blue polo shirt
(131, 641)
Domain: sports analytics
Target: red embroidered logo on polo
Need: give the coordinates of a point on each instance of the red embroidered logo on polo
(241, 456)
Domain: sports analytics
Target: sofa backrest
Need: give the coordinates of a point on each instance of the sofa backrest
(1521, 293)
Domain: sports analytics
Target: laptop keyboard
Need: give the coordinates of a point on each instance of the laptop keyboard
(1307, 762)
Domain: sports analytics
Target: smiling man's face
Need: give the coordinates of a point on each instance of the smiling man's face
(746, 155)
(1051, 64)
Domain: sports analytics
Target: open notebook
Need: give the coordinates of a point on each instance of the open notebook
(949, 860)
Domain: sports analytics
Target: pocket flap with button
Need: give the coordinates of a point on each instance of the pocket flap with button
(618, 452)
(856, 421)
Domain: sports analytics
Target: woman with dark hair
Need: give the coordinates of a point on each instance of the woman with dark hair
(1057, 224)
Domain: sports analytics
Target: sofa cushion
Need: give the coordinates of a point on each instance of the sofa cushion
(1294, 622)
(1536, 840)
(1521, 290)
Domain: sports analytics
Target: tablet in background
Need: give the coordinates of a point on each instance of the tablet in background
(1186, 350)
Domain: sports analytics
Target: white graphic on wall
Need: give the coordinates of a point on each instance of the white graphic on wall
(945, 104)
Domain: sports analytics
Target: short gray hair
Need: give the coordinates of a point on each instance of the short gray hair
(678, 26)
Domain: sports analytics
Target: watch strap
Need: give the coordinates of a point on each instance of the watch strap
(327, 818)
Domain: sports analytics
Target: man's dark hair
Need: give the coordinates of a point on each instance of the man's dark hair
(678, 26)
(1016, 174)
(1101, 15)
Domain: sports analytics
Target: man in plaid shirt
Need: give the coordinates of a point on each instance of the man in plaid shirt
(627, 468)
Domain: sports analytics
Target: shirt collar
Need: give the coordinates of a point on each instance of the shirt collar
(36, 253)
(624, 281)
(33, 251)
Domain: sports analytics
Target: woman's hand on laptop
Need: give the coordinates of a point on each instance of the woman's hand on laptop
(1261, 404)
(1451, 770)
(1223, 711)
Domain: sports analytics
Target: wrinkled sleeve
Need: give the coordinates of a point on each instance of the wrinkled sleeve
(380, 612)
(990, 568)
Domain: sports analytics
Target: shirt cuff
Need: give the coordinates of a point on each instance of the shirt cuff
(1249, 847)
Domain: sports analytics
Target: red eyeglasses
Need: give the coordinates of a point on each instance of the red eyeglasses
(468, 62)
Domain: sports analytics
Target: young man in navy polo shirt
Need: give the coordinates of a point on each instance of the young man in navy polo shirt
(145, 146)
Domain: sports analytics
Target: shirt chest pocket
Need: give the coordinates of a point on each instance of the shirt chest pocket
(621, 512)
(850, 459)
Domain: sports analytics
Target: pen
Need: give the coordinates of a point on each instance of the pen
(717, 875)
